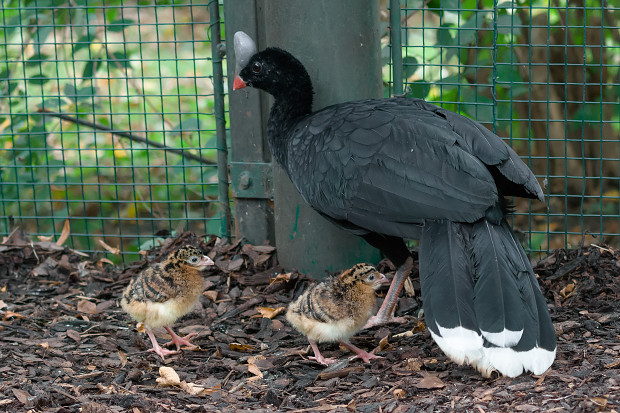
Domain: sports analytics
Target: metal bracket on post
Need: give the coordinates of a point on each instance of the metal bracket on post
(251, 180)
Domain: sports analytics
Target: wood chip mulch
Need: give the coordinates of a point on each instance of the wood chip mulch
(66, 346)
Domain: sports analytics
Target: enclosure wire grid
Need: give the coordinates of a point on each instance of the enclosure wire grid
(545, 77)
(107, 120)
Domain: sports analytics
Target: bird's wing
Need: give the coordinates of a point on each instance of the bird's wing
(152, 285)
(387, 165)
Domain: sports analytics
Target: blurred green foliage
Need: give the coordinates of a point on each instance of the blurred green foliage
(139, 68)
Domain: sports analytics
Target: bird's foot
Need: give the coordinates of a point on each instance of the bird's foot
(380, 319)
(180, 341)
(362, 354)
(322, 360)
(163, 352)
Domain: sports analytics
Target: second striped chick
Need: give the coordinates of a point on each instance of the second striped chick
(336, 309)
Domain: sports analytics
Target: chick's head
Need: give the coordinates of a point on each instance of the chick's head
(364, 274)
(191, 256)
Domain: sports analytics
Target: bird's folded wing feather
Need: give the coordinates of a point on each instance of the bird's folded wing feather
(153, 285)
(391, 163)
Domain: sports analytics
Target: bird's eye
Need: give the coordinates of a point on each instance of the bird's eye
(257, 67)
(371, 277)
(194, 259)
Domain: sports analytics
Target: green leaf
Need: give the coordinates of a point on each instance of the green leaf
(449, 5)
(410, 65)
(91, 68)
(120, 25)
(82, 42)
(118, 58)
(74, 94)
(51, 104)
(40, 36)
(187, 125)
(507, 24)
(38, 80)
(37, 59)
(445, 37)
(419, 89)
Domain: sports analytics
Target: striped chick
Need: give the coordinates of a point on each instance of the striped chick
(336, 309)
(162, 293)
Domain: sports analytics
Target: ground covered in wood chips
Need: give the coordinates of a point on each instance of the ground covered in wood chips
(66, 346)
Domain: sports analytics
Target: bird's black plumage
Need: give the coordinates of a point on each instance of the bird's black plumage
(388, 169)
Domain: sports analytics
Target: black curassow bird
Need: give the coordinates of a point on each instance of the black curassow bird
(400, 168)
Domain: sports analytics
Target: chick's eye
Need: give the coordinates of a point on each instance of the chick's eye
(371, 277)
(194, 259)
(257, 67)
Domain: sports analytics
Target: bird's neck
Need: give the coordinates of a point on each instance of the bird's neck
(290, 106)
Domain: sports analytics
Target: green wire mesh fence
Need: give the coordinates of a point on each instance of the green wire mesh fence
(112, 112)
(542, 74)
(107, 119)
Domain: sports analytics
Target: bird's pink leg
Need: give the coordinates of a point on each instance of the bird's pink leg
(364, 355)
(386, 312)
(157, 348)
(318, 356)
(179, 341)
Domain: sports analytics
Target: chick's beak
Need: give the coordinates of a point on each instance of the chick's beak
(205, 261)
(382, 280)
(238, 83)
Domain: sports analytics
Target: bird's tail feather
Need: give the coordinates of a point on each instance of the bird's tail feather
(481, 299)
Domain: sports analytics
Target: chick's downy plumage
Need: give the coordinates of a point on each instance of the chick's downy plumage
(336, 309)
(162, 293)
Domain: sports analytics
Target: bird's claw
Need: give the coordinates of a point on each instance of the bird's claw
(182, 341)
(366, 357)
(162, 352)
(324, 361)
(379, 320)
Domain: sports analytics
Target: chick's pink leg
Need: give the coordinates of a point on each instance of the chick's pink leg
(157, 348)
(386, 312)
(364, 355)
(318, 356)
(179, 341)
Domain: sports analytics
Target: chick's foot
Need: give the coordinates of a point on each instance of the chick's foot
(179, 341)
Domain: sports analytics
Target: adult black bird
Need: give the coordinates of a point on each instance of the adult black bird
(398, 168)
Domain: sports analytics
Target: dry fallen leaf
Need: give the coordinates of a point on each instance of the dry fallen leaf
(413, 364)
(23, 396)
(66, 229)
(568, 290)
(253, 368)
(211, 295)
(104, 261)
(168, 377)
(399, 393)
(44, 238)
(430, 382)
(87, 307)
(8, 314)
(281, 277)
(140, 328)
(2, 304)
(270, 312)
(244, 348)
(122, 357)
(74, 335)
(111, 250)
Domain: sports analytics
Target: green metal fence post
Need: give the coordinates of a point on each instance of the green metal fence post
(339, 43)
(220, 120)
(250, 168)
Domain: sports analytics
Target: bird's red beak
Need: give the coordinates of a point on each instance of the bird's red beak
(239, 83)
